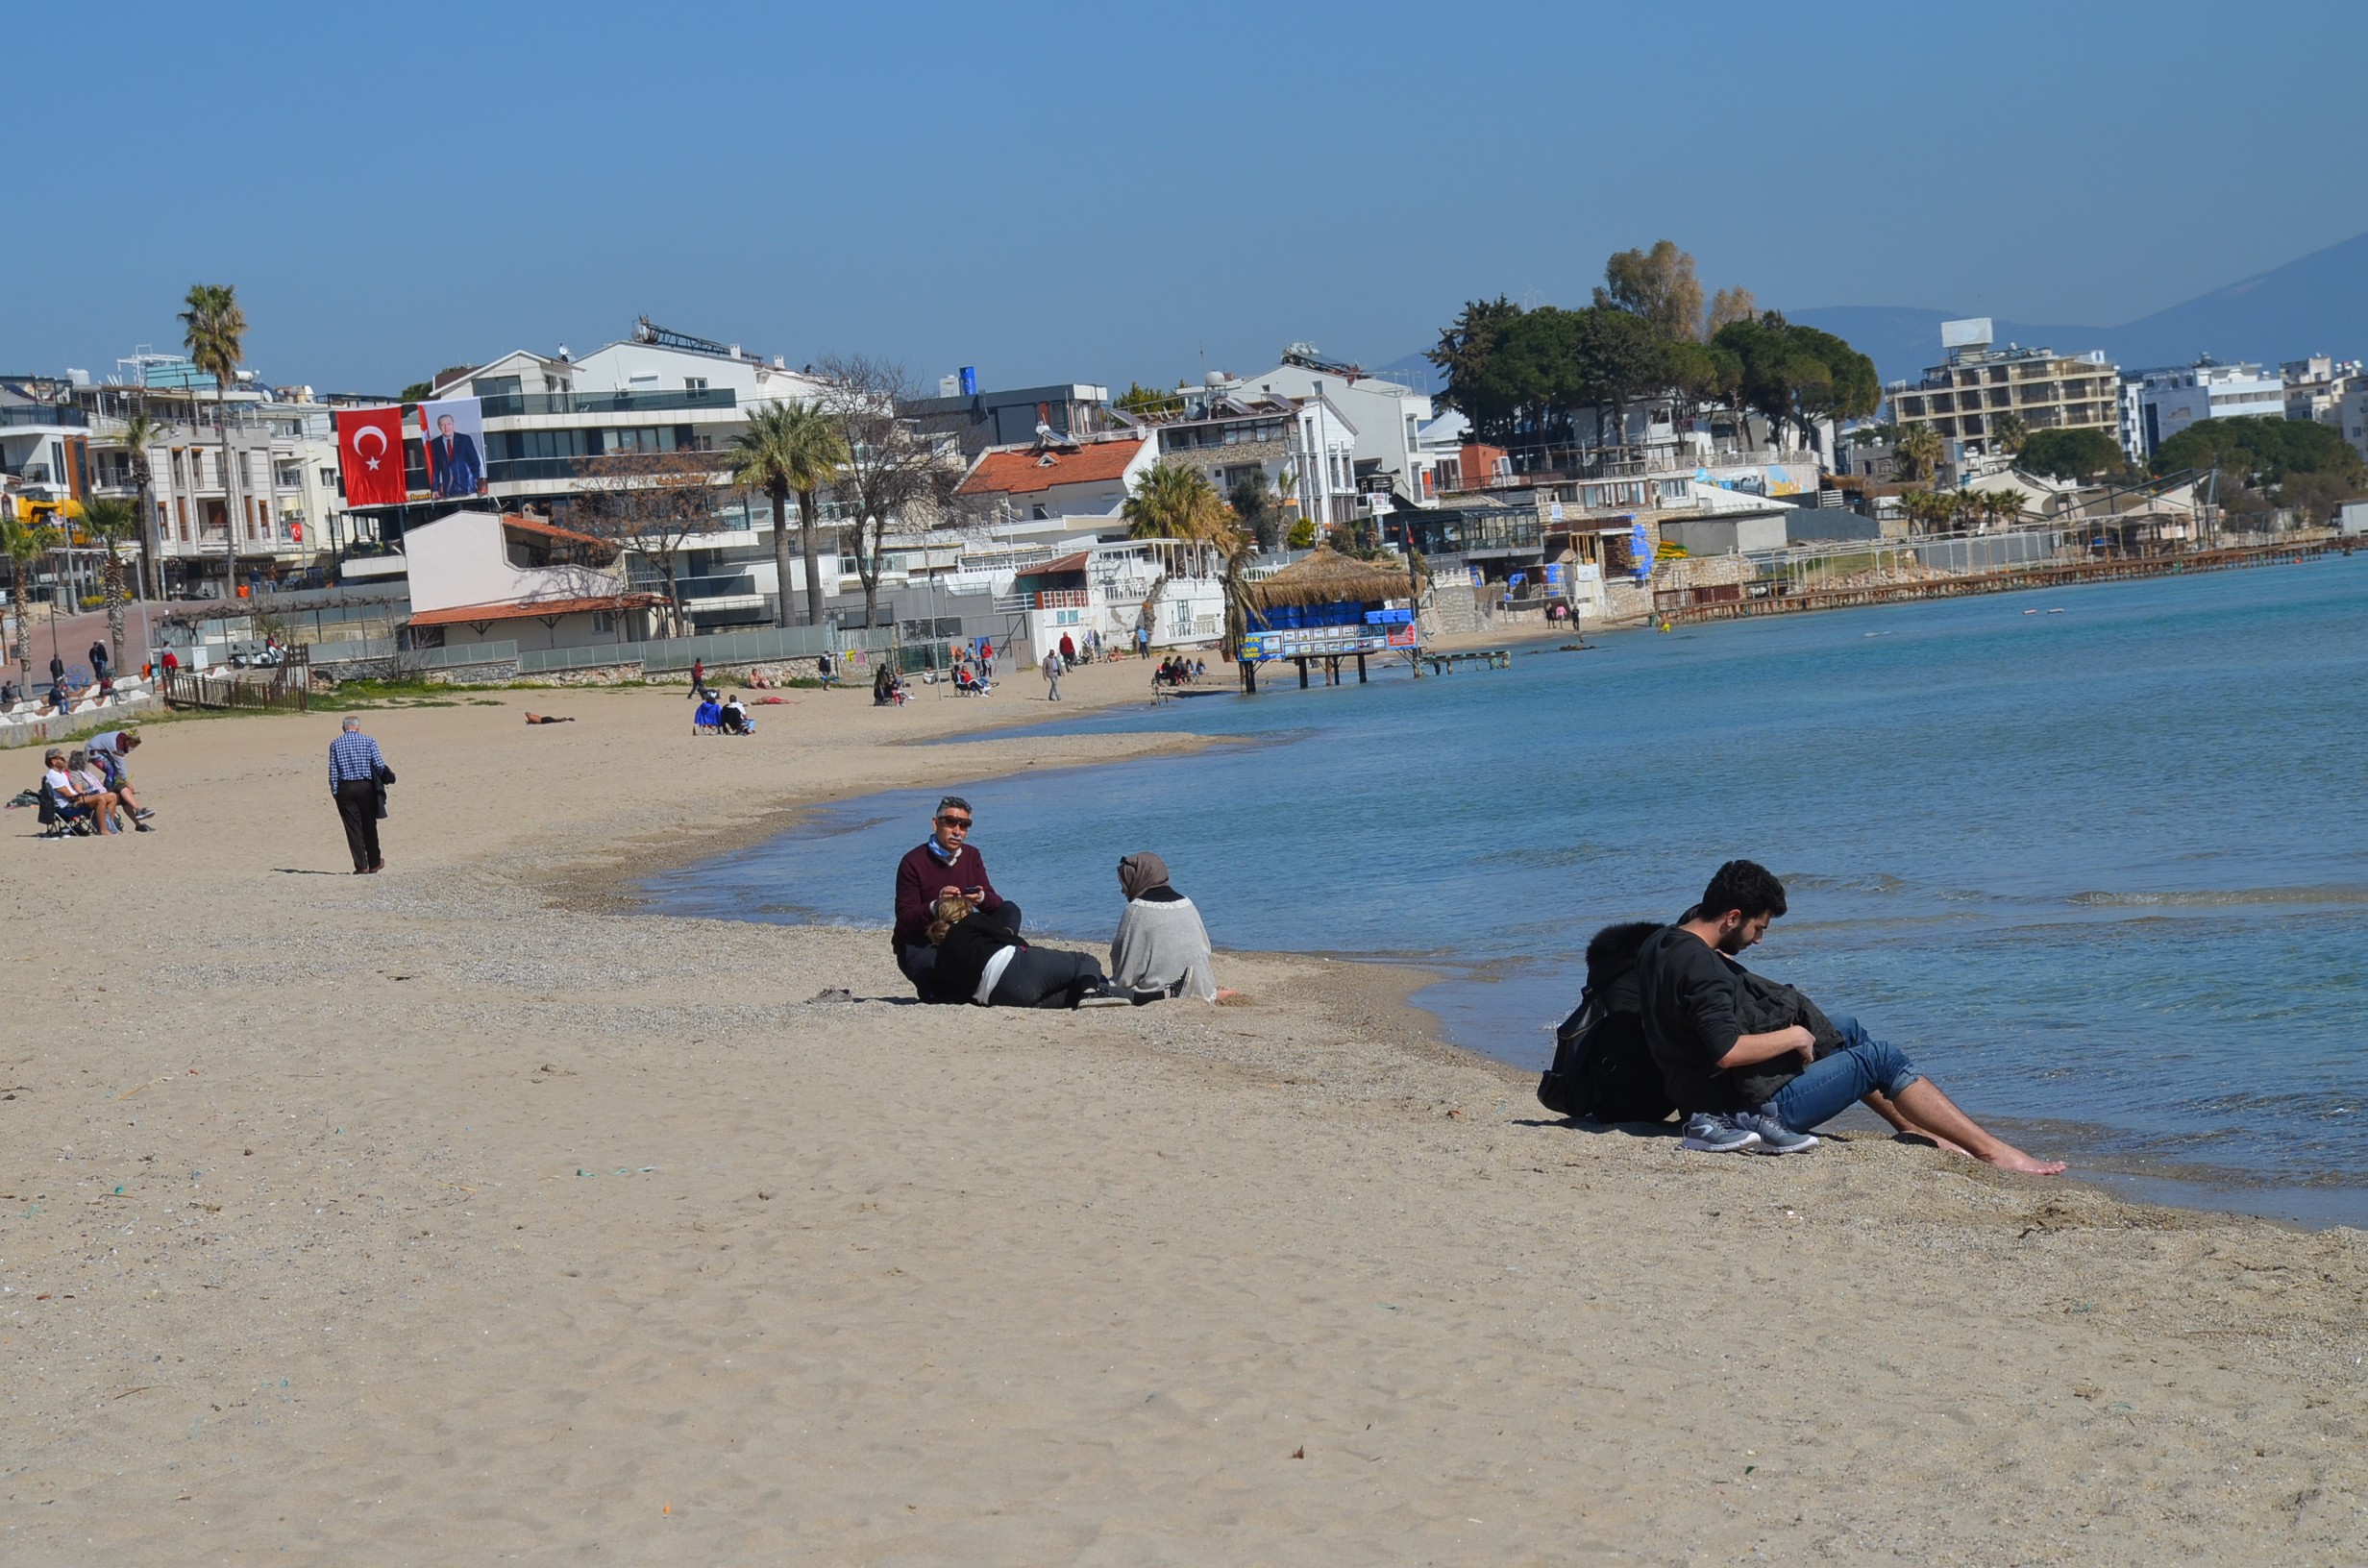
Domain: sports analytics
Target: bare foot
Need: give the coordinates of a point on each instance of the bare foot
(2007, 1157)
(1935, 1140)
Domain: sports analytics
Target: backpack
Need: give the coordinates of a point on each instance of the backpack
(1603, 1070)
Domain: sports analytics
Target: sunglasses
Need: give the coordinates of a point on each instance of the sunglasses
(955, 821)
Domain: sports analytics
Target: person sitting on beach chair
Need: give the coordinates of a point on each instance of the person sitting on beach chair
(707, 718)
(70, 797)
(982, 960)
(1742, 1084)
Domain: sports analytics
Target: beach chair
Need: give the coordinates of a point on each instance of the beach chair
(60, 821)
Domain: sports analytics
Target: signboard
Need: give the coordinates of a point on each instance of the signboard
(1325, 642)
(453, 429)
(1972, 332)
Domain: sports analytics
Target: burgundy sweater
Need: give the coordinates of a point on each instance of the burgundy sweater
(919, 876)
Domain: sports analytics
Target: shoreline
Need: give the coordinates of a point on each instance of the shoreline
(388, 1219)
(1384, 981)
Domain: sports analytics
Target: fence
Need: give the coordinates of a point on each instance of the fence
(286, 686)
(759, 645)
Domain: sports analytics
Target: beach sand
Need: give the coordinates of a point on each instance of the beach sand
(456, 1214)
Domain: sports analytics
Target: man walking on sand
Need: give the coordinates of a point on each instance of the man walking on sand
(1053, 666)
(355, 771)
(941, 865)
(1694, 1005)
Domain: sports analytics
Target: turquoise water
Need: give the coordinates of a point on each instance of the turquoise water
(2095, 858)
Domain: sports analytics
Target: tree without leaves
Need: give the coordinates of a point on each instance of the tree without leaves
(790, 449)
(1658, 286)
(651, 502)
(895, 476)
(1730, 304)
(214, 333)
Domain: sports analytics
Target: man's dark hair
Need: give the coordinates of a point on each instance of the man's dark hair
(953, 802)
(1746, 885)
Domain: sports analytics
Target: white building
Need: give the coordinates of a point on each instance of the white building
(1233, 434)
(1388, 418)
(483, 576)
(2169, 400)
(285, 505)
(1175, 588)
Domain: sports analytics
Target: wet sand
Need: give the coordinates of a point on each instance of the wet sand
(456, 1213)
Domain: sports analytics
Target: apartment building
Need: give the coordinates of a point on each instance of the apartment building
(2158, 405)
(1963, 399)
(1232, 434)
(2314, 387)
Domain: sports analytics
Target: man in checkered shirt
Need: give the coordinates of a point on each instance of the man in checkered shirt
(354, 769)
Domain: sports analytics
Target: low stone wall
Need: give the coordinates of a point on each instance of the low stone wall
(492, 673)
(23, 732)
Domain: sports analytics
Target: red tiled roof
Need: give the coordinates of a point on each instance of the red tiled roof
(525, 609)
(535, 524)
(1025, 470)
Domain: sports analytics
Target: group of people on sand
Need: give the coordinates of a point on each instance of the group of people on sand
(729, 716)
(1751, 1064)
(91, 788)
(958, 939)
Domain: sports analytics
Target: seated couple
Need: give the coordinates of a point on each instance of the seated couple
(727, 718)
(1755, 1065)
(957, 940)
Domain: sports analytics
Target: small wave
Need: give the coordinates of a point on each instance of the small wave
(2220, 897)
(1879, 882)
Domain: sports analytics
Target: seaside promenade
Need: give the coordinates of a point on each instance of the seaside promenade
(464, 1212)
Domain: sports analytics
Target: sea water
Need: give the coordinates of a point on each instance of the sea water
(2096, 858)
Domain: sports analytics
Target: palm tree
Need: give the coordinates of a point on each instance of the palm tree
(790, 449)
(214, 330)
(1917, 451)
(110, 519)
(139, 433)
(25, 543)
(1173, 502)
(2008, 433)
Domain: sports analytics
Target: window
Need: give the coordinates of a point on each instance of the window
(495, 386)
(693, 383)
(180, 504)
(1037, 514)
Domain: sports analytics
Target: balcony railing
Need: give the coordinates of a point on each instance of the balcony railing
(512, 405)
(43, 413)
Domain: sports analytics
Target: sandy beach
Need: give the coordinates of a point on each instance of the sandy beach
(461, 1214)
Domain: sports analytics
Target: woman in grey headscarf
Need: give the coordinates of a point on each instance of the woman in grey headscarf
(1161, 944)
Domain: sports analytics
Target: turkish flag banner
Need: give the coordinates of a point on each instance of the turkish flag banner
(370, 454)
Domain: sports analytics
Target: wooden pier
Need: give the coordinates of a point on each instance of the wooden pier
(2056, 575)
(1443, 663)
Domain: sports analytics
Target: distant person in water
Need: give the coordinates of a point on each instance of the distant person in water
(1744, 1080)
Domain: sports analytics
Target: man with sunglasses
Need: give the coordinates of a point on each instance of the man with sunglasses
(944, 863)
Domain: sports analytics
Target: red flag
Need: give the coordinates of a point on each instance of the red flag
(370, 451)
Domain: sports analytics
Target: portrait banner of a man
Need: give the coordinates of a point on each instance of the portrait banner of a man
(453, 429)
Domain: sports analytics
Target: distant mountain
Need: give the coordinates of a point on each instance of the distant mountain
(2314, 304)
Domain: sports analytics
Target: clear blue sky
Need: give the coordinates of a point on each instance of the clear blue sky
(1107, 193)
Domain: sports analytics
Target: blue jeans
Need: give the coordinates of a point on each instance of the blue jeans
(1861, 1067)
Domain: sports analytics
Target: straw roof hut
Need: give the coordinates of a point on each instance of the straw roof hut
(1326, 576)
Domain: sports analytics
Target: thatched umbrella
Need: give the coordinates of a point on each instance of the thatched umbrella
(1326, 576)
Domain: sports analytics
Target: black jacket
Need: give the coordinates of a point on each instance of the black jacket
(962, 957)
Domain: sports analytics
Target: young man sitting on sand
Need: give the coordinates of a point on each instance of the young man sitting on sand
(1693, 1005)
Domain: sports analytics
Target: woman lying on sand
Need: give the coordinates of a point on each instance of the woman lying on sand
(979, 959)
